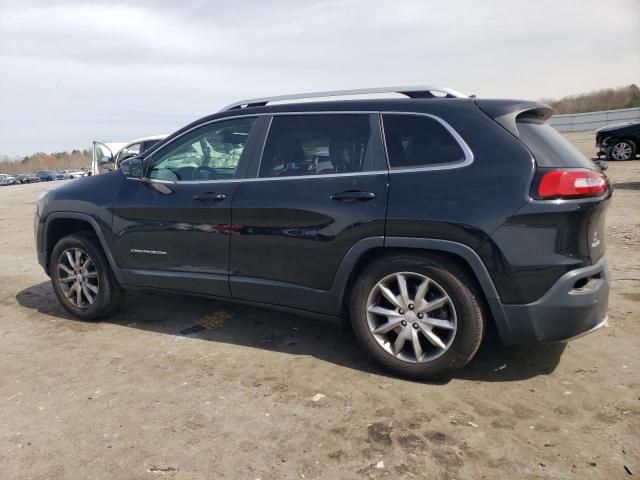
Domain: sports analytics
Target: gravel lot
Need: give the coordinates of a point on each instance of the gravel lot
(258, 394)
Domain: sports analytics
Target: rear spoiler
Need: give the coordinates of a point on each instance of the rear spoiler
(507, 112)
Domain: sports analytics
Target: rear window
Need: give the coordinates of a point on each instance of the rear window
(550, 148)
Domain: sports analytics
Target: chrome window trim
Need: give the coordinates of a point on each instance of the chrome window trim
(256, 179)
(322, 175)
(468, 153)
(469, 156)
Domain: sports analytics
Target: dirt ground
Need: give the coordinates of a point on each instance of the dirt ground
(260, 394)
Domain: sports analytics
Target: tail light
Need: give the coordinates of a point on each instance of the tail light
(572, 183)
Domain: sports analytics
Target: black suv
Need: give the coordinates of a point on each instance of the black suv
(424, 221)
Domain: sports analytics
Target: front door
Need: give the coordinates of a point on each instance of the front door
(171, 229)
(321, 186)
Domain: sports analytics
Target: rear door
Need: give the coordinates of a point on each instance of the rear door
(321, 186)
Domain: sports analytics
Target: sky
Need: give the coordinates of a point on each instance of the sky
(75, 71)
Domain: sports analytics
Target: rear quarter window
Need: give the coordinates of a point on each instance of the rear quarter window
(415, 141)
(550, 148)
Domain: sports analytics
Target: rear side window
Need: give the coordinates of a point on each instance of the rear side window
(321, 144)
(419, 141)
(550, 148)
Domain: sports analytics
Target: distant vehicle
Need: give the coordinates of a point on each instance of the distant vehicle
(69, 174)
(7, 179)
(619, 142)
(107, 156)
(49, 175)
(26, 178)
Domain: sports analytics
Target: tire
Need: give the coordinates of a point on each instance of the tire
(99, 281)
(623, 150)
(460, 310)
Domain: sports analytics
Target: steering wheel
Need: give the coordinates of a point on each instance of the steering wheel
(204, 172)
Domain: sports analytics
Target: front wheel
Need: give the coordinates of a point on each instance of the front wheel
(419, 317)
(622, 150)
(82, 278)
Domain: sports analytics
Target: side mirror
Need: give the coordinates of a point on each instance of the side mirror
(105, 160)
(132, 167)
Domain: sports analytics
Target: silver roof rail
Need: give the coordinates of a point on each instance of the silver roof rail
(416, 91)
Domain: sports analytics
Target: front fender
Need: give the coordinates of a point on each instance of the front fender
(97, 225)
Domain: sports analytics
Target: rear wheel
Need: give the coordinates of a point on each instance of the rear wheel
(418, 317)
(82, 278)
(622, 150)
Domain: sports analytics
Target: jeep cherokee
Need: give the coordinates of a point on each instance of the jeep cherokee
(422, 221)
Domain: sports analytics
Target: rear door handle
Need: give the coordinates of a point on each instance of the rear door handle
(353, 196)
(209, 197)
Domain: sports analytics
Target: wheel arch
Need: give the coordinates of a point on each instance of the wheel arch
(61, 224)
(466, 257)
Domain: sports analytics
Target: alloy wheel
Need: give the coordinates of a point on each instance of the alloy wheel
(78, 278)
(621, 151)
(411, 317)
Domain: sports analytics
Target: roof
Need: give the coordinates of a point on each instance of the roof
(414, 91)
(615, 126)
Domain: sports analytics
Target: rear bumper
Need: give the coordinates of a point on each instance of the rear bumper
(574, 306)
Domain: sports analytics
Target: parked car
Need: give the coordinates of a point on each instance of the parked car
(49, 175)
(26, 178)
(70, 174)
(107, 156)
(619, 142)
(423, 222)
(7, 179)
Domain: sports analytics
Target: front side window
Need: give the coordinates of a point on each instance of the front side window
(419, 141)
(209, 153)
(317, 144)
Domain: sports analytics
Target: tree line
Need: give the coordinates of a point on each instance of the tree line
(597, 100)
(75, 159)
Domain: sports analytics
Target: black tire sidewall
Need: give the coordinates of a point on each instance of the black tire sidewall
(470, 328)
(107, 286)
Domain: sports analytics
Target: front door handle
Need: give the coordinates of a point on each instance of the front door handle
(353, 196)
(209, 197)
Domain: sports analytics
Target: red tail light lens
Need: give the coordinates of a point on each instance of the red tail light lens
(572, 183)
